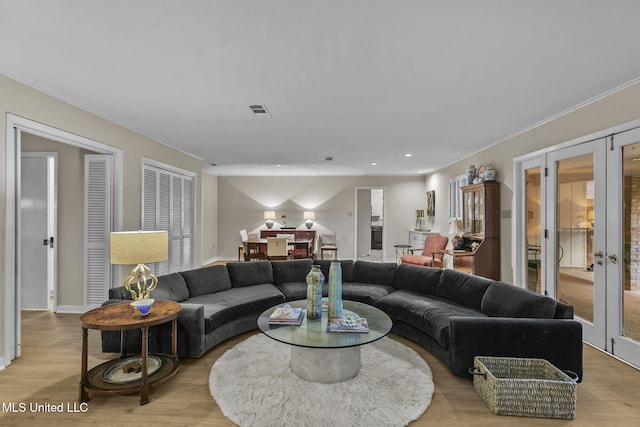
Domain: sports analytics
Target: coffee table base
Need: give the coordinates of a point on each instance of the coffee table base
(325, 365)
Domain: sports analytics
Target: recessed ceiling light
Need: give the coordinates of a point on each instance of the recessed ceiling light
(408, 155)
(278, 164)
(373, 163)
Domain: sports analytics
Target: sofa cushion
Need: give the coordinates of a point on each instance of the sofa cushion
(379, 273)
(506, 300)
(423, 280)
(462, 288)
(427, 314)
(207, 280)
(171, 287)
(293, 290)
(346, 265)
(226, 306)
(250, 273)
(290, 271)
(368, 293)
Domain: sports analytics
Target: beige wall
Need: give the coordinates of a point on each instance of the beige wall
(615, 109)
(209, 218)
(24, 101)
(242, 200)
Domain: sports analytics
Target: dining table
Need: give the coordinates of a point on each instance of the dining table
(302, 246)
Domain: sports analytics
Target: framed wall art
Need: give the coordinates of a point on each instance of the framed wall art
(431, 203)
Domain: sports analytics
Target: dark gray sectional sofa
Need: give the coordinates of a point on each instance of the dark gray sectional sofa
(454, 315)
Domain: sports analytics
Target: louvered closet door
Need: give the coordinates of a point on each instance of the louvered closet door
(168, 206)
(97, 173)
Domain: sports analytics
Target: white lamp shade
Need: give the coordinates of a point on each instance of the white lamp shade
(269, 215)
(138, 247)
(309, 215)
(456, 227)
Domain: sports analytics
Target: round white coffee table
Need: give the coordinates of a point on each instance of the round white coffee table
(321, 356)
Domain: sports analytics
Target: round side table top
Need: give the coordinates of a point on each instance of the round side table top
(123, 315)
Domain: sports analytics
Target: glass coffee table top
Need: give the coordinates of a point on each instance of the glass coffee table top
(314, 333)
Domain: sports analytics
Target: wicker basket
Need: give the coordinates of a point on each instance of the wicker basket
(524, 387)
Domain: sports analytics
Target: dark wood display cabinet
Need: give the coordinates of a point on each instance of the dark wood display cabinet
(481, 223)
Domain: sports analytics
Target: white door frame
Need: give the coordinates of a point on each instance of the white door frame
(355, 217)
(15, 125)
(617, 343)
(548, 281)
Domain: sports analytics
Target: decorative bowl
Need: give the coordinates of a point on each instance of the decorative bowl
(143, 305)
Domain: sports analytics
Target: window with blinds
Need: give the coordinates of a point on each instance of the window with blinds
(455, 196)
(168, 206)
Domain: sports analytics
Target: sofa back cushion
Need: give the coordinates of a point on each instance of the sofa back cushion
(423, 280)
(207, 280)
(171, 287)
(376, 273)
(506, 300)
(462, 288)
(250, 273)
(290, 271)
(346, 266)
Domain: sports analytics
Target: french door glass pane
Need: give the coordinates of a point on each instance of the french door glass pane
(631, 246)
(575, 234)
(533, 224)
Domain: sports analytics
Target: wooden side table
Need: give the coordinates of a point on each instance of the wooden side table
(123, 316)
(462, 261)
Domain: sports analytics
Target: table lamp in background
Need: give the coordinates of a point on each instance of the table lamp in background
(308, 217)
(269, 216)
(419, 219)
(138, 248)
(456, 230)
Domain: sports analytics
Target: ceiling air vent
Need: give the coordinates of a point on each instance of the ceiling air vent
(260, 110)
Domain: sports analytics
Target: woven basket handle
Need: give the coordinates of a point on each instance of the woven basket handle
(574, 377)
(474, 370)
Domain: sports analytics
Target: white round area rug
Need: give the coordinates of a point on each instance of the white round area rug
(254, 386)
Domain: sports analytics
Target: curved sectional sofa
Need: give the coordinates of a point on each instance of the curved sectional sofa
(454, 315)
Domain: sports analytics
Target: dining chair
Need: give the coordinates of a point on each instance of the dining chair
(277, 249)
(291, 237)
(328, 242)
(242, 249)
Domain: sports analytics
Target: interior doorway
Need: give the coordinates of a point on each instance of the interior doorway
(369, 227)
(17, 128)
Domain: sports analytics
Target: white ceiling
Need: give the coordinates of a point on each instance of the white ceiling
(361, 81)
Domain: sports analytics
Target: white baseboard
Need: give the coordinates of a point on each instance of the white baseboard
(73, 309)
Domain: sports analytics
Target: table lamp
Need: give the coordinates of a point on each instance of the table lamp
(419, 219)
(456, 230)
(269, 216)
(308, 217)
(138, 248)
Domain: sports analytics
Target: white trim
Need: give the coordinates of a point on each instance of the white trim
(355, 216)
(14, 126)
(160, 165)
(74, 309)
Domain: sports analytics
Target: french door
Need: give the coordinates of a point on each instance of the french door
(589, 233)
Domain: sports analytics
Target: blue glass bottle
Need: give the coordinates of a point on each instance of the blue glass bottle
(335, 289)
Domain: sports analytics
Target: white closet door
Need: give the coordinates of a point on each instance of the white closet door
(97, 175)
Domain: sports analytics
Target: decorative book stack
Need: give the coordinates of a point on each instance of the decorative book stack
(286, 315)
(349, 322)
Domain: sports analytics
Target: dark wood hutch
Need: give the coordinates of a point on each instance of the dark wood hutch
(481, 223)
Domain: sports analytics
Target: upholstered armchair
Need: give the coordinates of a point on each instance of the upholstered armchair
(432, 252)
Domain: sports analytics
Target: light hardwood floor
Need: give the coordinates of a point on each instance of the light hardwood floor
(49, 372)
